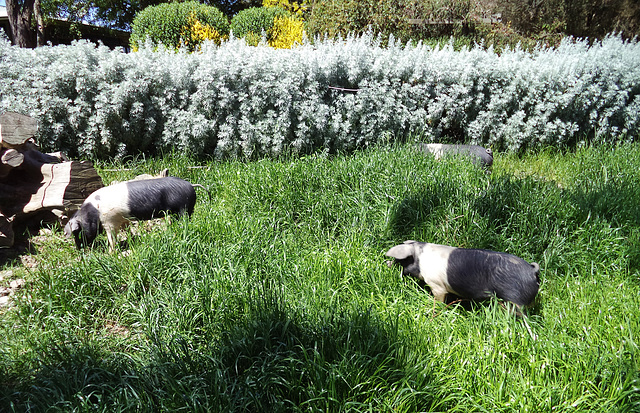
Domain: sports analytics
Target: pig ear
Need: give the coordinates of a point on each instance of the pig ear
(400, 252)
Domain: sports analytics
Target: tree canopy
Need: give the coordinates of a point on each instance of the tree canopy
(27, 15)
(120, 14)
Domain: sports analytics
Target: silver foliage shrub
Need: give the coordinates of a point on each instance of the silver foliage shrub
(238, 100)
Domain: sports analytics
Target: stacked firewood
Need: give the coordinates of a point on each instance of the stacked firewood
(37, 187)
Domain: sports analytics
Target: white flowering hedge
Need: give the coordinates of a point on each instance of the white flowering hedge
(238, 100)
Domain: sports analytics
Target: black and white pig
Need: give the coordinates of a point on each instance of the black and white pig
(112, 206)
(474, 274)
(476, 153)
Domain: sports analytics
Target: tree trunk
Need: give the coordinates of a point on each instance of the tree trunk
(20, 22)
(37, 13)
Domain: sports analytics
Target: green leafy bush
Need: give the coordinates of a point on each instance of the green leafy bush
(393, 17)
(340, 18)
(251, 23)
(171, 24)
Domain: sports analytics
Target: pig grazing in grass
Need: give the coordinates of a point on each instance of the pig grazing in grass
(113, 206)
(473, 274)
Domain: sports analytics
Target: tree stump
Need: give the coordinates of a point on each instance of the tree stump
(36, 187)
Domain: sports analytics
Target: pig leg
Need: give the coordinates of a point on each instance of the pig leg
(112, 236)
(112, 228)
(439, 292)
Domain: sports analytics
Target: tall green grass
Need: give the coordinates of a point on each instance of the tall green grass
(275, 295)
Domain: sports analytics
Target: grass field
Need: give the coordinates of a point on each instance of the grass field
(275, 296)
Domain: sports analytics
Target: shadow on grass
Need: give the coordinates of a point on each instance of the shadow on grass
(24, 232)
(508, 208)
(526, 215)
(618, 203)
(413, 211)
(268, 361)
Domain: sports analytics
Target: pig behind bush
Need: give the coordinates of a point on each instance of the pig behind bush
(477, 154)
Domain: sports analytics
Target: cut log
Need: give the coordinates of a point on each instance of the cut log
(36, 187)
(16, 129)
(12, 158)
(62, 186)
(51, 194)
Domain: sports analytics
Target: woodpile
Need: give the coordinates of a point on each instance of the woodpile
(36, 187)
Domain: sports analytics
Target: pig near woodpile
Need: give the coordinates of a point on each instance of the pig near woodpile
(112, 206)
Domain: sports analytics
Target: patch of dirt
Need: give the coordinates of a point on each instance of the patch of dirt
(28, 261)
(117, 329)
(6, 292)
(23, 254)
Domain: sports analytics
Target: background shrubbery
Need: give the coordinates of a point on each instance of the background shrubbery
(237, 100)
(189, 24)
(179, 24)
(581, 18)
(340, 18)
(255, 22)
(525, 22)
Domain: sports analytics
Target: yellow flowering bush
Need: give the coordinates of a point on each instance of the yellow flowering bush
(295, 8)
(197, 32)
(286, 32)
(282, 28)
(171, 24)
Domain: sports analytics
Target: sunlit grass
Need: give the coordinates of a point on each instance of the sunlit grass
(275, 295)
